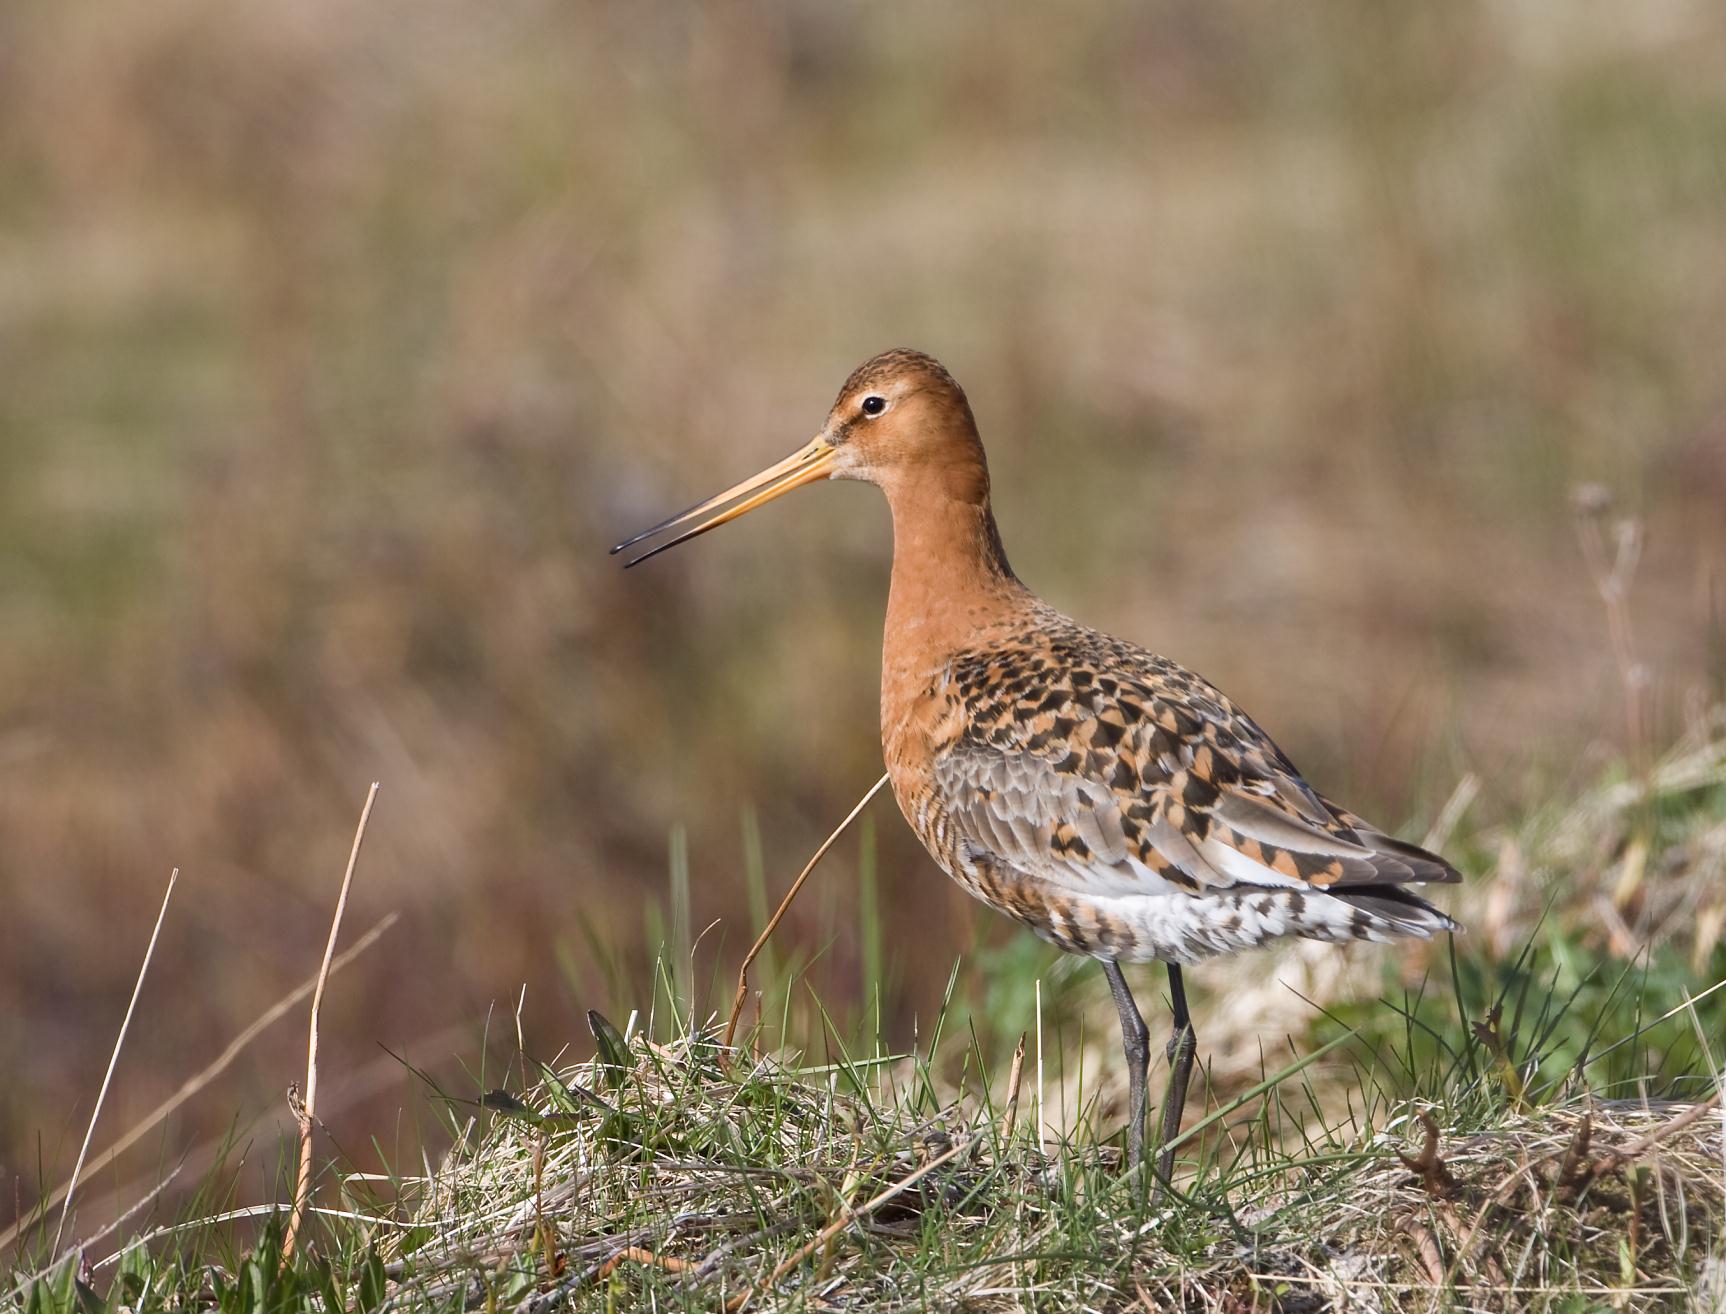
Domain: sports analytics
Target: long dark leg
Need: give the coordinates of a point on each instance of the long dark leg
(1136, 1042)
(1183, 1044)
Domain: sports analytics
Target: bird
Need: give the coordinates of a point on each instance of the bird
(1115, 803)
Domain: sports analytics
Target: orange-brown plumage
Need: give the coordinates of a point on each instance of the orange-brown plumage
(1117, 804)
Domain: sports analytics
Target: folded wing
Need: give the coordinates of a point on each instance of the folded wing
(1151, 793)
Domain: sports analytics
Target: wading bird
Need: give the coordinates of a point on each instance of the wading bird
(1113, 802)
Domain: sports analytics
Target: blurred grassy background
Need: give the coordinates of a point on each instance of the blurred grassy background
(340, 340)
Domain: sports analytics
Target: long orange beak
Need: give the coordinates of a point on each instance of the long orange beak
(803, 466)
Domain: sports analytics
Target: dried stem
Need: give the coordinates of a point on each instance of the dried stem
(779, 912)
(1613, 1159)
(114, 1058)
(308, 1113)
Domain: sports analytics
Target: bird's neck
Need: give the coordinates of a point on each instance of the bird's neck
(951, 580)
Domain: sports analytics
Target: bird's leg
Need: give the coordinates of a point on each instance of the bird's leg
(1183, 1043)
(1136, 1042)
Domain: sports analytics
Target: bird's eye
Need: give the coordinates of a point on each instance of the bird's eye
(873, 405)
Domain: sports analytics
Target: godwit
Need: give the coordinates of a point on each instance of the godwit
(1115, 803)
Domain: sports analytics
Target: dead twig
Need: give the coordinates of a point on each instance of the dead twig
(1434, 1175)
(543, 1302)
(1427, 1249)
(1613, 1160)
(1574, 1166)
(639, 1255)
(114, 1059)
(778, 913)
(308, 1114)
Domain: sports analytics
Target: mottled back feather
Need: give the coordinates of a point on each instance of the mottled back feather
(1104, 769)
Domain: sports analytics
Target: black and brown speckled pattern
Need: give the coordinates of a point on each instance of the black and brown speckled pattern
(1063, 771)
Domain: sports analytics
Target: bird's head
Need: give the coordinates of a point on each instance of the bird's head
(901, 422)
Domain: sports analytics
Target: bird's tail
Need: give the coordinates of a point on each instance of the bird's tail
(1384, 911)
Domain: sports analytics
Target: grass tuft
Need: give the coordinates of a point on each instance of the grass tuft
(672, 1176)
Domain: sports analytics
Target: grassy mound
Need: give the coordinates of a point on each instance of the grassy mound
(663, 1178)
(686, 1176)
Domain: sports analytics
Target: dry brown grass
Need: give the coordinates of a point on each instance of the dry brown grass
(692, 1187)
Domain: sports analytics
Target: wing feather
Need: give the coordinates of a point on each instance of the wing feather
(1129, 775)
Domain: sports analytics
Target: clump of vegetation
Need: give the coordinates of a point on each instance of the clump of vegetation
(684, 1175)
(662, 1173)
